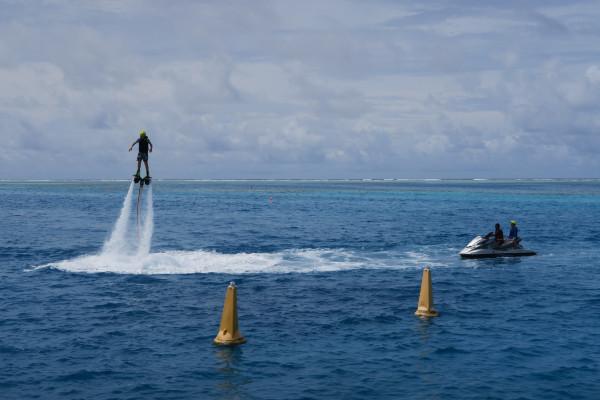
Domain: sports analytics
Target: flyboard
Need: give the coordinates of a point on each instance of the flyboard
(141, 181)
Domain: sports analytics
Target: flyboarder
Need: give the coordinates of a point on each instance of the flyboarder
(144, 144)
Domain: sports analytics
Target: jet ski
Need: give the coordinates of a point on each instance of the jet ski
(486, 247)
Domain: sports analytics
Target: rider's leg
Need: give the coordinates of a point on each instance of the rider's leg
(139, 166)
(147, 169)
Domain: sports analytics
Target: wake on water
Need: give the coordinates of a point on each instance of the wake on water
(127, 251)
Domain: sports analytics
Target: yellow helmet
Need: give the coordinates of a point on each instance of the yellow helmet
(513, 222)
(142, 133)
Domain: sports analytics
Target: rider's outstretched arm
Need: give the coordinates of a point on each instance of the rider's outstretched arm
(133, 144)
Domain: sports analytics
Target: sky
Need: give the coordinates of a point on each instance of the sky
(300, 89)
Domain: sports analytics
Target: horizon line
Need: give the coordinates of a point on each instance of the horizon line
(303, 179)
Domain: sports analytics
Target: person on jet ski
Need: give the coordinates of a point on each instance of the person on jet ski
(513, 236)
(514, 231)
(499, 235)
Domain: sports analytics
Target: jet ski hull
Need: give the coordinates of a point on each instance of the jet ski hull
(485, 247)
(494, 254)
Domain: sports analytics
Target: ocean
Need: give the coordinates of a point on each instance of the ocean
(100, 299)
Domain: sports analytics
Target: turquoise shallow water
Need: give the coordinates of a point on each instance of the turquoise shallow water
(328, 275)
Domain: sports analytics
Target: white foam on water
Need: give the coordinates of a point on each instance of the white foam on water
(202, 261)
(127, 253)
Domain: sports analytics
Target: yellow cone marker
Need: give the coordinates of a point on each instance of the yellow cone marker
(425, 307)
(229, 333)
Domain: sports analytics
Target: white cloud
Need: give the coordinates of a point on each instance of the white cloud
(593, 74)
(276, 89)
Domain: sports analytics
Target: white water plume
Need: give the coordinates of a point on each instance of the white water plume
(124, 242)
(147, 225)
(117, 243)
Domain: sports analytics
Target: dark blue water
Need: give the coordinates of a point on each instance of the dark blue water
(328, 276)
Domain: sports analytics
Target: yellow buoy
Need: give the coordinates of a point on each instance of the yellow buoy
(229, 333)
(425, 307)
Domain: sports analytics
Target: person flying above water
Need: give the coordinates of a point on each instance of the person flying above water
(144, 144)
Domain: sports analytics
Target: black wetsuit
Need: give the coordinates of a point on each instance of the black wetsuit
(143, 144)
(499, 236)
